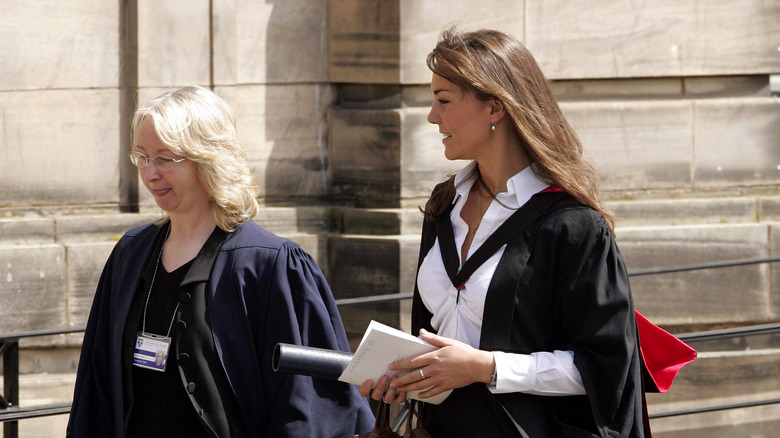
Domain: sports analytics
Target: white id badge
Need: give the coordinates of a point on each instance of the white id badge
(151, 351)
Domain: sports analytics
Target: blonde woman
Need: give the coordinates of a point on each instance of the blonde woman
(214, 292)
(520, 281)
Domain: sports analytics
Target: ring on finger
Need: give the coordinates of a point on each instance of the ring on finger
(421, 373)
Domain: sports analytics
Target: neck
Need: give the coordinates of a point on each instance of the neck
(181, 232)
(494, 177)
(185, 239)
(192, 226)
(503, 159)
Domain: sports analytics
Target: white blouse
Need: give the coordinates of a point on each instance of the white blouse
(543, 373)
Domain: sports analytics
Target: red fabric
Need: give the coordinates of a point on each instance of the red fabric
(551, 189)
(663, 353)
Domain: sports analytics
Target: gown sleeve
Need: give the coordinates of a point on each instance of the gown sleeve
(97, 408)
(301, 310)
(92, 387)
(594, 296)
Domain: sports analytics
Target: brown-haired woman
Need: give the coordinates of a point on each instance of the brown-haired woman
(540, 339)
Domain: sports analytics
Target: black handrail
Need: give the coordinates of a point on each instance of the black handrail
(710, 335)
(10, 412)
(714, 408)
(16, 414)
(713, 265)
(17, 336)
(370, 299)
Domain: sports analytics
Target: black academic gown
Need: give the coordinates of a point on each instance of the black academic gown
(262, 290)
(560, 285)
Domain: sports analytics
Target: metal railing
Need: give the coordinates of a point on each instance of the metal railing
(11, 412)
(709, 335)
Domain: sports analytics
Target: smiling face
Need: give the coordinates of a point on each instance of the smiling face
(463, 119)
(178, 190)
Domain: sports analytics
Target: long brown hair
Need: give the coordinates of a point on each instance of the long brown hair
(496, 66)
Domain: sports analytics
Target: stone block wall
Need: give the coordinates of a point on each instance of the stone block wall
(671, 100)
(51, 265)
(664, 39)
(71, 77)
(672, 107)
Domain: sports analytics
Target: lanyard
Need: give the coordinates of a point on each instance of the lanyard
(149, 294)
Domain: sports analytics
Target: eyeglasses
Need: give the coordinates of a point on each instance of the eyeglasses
(162, 163)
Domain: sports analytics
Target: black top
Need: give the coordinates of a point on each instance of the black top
(156, 403)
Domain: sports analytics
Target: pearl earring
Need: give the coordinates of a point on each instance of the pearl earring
(492, 126)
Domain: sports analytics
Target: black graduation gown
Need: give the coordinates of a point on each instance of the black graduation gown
(261, 290)
(561, 284)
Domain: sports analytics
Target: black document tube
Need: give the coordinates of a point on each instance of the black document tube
(310, 361)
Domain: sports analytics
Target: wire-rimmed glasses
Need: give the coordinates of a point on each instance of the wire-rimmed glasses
(162, 163)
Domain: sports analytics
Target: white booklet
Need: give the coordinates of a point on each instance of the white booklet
(381, 345)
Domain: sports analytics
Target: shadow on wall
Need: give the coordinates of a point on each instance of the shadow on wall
(296, 101)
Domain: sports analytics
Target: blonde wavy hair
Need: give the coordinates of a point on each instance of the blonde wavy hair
(198, 125)
(496, 66)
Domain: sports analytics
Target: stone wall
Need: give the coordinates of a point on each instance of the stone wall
(671, 99)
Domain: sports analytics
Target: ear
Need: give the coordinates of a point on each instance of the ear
(497, 111)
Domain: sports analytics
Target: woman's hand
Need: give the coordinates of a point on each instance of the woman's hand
(454, 365)
(382, 391)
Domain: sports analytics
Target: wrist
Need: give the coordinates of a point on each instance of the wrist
(493, 376)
